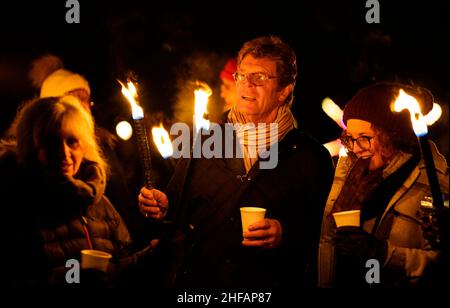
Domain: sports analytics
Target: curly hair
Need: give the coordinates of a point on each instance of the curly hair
(394, 142)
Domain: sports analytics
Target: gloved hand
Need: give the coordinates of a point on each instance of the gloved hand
(353, 241)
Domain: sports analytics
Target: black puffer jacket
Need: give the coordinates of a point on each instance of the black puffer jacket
(50, 220)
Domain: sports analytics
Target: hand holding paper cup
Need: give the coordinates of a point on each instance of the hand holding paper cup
(95, 259)
(347, 218)
(250, 215)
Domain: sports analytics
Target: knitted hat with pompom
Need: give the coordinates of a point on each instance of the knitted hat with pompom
(48, 74)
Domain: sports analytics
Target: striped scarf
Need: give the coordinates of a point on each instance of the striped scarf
(256, 139)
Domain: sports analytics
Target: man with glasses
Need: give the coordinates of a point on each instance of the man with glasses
(206, 194)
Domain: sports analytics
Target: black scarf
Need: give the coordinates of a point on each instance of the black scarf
(376, 202)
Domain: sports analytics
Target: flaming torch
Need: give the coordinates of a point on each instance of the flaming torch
(419, 123)
(162, 141)
(130, 93)
(202, 93)
(334, 112)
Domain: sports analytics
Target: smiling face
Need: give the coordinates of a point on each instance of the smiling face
(63, 152)
(259, 103)
(379, 155)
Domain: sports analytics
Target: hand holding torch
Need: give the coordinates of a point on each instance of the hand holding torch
(141, 132)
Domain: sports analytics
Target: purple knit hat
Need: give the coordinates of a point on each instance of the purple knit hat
(374, 104)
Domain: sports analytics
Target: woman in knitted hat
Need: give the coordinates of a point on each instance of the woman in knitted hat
(384, 177)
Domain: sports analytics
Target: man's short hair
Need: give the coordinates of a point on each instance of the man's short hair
(272, 47)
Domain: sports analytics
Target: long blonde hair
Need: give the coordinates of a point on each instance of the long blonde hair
(39, 118)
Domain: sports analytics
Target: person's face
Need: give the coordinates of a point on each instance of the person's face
(259, 103)
(368, 145)
(64, 153)
(228, 93)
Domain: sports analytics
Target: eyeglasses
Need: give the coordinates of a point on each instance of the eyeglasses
(364, 142)
(256, 79)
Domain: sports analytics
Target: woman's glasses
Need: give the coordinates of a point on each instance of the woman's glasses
(364, 142)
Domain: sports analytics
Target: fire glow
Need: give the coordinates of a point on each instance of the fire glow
(162, 141)
(405, 101)
(335, 148)
(434, 114)
(419, 123)
(202, 94)
(333, 111)
(130, 93)
(124, 130)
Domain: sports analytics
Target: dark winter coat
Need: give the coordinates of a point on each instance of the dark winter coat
(205, 250)
(411, 256)
(46, 220)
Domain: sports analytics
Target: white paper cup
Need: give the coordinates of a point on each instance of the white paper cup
(347, 218)
(95, 259)
(250, 215)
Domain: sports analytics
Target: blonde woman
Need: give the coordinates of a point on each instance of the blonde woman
(53, 179)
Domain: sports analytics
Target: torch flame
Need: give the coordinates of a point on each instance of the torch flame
(130, 93)
(333, 111)
(342, 152)
(162, 140)
(202, 93)
(434, 114)
(405, 101)
(335, 148)
(124, 130)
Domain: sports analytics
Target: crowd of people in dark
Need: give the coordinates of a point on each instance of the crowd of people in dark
(66, 191)
(81, 208)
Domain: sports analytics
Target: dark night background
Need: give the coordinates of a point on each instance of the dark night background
(166, 45)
